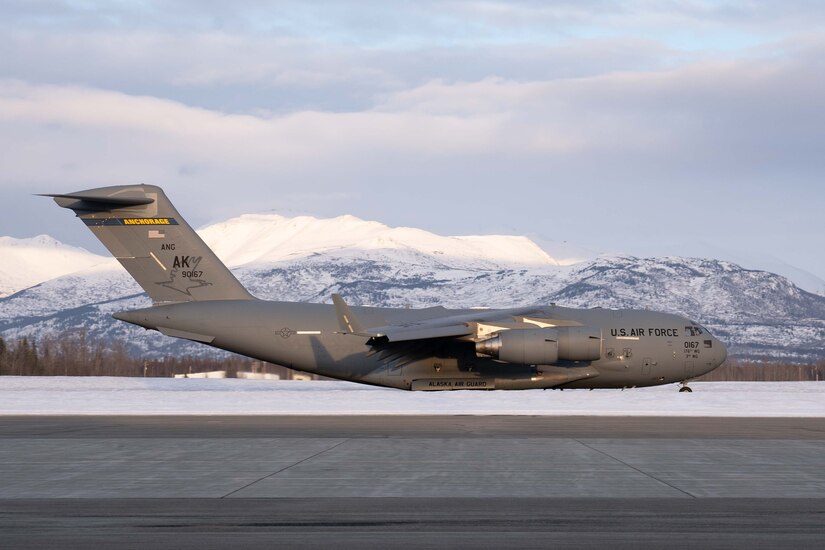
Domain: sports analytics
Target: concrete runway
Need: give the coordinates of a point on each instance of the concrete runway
(415, 481)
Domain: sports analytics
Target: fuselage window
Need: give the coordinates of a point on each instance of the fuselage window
(694, 330)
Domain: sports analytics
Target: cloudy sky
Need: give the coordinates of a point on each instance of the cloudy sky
(650, 128)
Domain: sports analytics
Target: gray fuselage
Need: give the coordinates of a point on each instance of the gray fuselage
(638, 348)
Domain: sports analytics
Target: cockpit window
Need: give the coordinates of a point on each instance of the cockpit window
(694, 330)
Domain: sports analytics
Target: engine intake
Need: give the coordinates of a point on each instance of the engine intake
(543, 346)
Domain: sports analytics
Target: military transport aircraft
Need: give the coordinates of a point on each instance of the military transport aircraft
(196, 297)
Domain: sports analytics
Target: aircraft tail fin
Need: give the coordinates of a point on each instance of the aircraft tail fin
(141, 228)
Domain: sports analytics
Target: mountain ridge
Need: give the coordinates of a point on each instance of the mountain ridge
(33, 260)
(757, 313)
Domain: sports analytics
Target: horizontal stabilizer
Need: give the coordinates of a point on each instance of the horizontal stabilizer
(89, 202)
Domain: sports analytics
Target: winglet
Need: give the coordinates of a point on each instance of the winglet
(346, 321)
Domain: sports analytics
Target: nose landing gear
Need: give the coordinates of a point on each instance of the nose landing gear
(685, 387)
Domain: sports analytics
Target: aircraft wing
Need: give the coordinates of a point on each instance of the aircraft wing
(438, 327)
(417, 331)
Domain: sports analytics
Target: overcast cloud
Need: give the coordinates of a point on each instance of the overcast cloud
(639, 127)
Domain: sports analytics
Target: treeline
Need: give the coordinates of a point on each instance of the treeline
(754, 371)
(73, 354)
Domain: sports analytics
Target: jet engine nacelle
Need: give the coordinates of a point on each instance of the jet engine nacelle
(580, 343)
(543, 346)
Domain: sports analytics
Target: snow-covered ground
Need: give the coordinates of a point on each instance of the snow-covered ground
(164, 396)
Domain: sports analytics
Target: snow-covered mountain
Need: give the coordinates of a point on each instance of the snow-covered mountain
(307, 259)
(27, 262)
(266, 238)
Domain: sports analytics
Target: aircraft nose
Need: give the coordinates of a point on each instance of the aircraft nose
(722, 351)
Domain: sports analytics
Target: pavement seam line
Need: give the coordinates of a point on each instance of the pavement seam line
(635, 468)
(285, 468)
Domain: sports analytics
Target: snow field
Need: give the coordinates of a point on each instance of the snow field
(165, 396)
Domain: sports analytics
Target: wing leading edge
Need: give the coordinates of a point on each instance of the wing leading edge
(451, 326)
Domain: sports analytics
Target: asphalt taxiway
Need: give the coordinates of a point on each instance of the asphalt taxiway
(423, 481)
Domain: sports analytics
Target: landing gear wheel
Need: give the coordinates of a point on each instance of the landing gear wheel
(685, 388)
